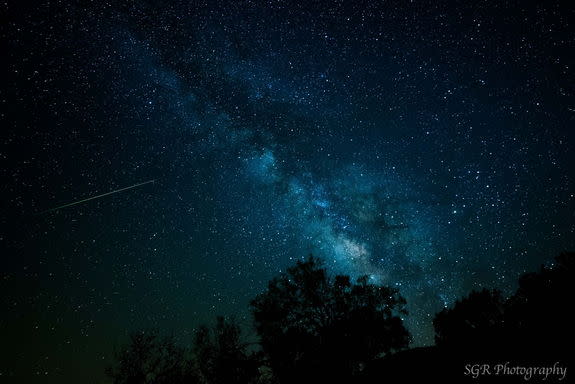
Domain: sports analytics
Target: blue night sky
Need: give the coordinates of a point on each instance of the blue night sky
(429, 145)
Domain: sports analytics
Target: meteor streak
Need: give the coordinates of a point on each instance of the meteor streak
(97, 196)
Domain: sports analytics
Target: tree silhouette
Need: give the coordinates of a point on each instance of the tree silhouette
(149, 358)
(539, 315)
(534, 327)
(313, 326)
(474, 321)
(218, 356)
(534, 322)
(221, 357)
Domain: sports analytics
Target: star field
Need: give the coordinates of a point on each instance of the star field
(428, 146)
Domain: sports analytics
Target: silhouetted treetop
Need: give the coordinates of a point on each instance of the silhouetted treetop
(220, 355)
(474, 319)
(149, 358)
(316, 327)
(536, 321)
(540, 311)
(308, 320)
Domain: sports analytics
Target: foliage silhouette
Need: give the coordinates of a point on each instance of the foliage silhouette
(535, 321)
(149, 358)
(539, 317)
(315, 327)
(218, 356)
(221, 357)
(474, 320)
(534, 327)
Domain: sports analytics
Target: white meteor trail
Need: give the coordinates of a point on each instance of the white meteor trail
(98, 196)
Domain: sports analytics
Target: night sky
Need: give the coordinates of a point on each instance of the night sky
(429, 145)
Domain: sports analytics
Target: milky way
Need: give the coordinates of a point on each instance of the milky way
(428, 146)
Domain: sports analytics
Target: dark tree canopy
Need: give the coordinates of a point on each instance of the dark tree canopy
(218, 356)
(149, 358)
(221, 356)
(536, 321)
(313, 324)
(476, 318)
(314, 327)
(540, 313)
